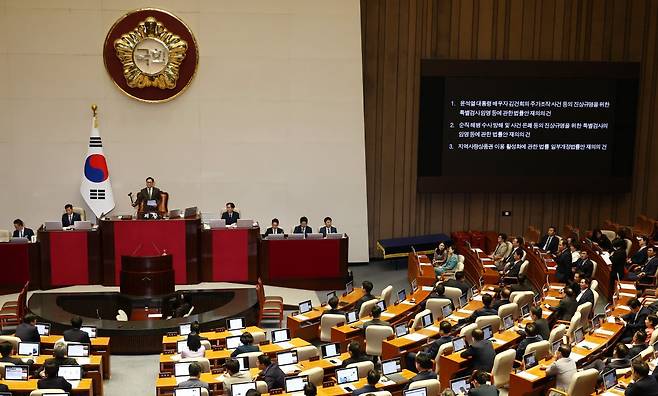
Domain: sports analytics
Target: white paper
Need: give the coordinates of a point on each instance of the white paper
(551, 298)
(627, 286)
(627, 294)
(486, 259)
(604, 332)
(74, 384)
(489, 266)
(405, 302)
(547, 313)
(527, 375)
(576, 357)
(155, 315)
(497, 341)
(82, 360)
(624, 307)
(285, 345)
(465, 311)
(478, 297)
(387, 315)
(610, 319)
(425, 264)
(478, 250)
(427, 288)
(551, 268)
(301, 317)
(414, 336)
(433, 328)
(454, 317)
(556, 287)
(386, 383)
(236, 332)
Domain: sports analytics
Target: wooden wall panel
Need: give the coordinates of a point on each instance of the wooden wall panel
(397, 34)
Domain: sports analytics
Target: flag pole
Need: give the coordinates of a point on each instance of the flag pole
(94, 110)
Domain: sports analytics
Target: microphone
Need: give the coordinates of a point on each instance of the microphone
(98, 314)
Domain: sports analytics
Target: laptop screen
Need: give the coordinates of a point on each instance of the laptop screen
(460, 385)
(463, 300)
(182, 369)
(347, 375)
(16, 373)
(330, 350)
(44, 329)
(401, 330)
(414, 285)
(488, 332)
(391, 366)
(596, 321)
(474, 291)
(536, 298)
(70, 373)
(28, 348)
(305, 306)
(77, 350)
(184, 328)
(402, 295)
(235, 324)
(525, 310)
(529, 360)
(244, 362)
(282, 335)
(609, 379)
(446, 310)
(181, 345)
(90, 330)
(381, 304)
(285, 358)
(352, 317)
(296, 384)
(427, 320)
(330, 295)
(415, 392)
(578, 335)
(233, 342)
(508, 322)
(241, 389)
(191, 391)
(556, 345)
(458, 344)
(349, 287)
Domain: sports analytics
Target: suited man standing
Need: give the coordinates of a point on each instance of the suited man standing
(75, 334)
(618, 260)
(230, 215)
(274, 229)
(563, 265)
(20, 231)
(549, 242)
(327, 229)
(303, 227)
(150, 195)
(70, 217)
(482, 353)
(586, 294)
(27, 331)
(584, 265)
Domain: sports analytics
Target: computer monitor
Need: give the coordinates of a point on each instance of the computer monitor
(181, 345)
(351, 317)
(77, 350)
(282, 335)
(460, 385)
(463, 300)
(28, 348)
(182, 369)
(244, 362)
(474, 291)
(382, 305)
(233, 342)
(609, 379)
(330, 350)
(90, 330)
(16, 373)
(458, 344)
(347, 375)
(241, 388)
(415, 392)
(286, 358)
(296, 384)
(529, 360)
(329, 296)
(43, 328)
(236, 324)
(537, 298)
(184, 329)
(488, 332)
(305, 306)
(414, 285)
(70, 373)
(508, 322)
(596, 321)
(578, 335)
(556, 345)
(402, 295)
(427, 320)
(446, 310)
(525, 310)
(190, 391)
(391, 366)
(349, 287)
(401, 330)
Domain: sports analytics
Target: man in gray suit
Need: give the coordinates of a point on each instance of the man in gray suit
(480, 387)
(194, 381)
(563, 368)
(376, 314)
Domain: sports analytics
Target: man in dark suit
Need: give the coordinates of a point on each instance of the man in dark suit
(479, 386)
(333, 307)
(548, 242)
(356, 355)
(618, 260)
(270, 373)
(486, 310)
(424, 367)
(275, 228)
(541, 324)
(459, 282)
(584, 264)
(567, 306)
(649, 269)
(638, 344)
(70, 217)
(20, 231)
(482, 353)
(150, 195)
(327, 229)
(376, 314)
(367, 287)
(619, 360)
(303, 227)
(75, 334)
(5, 351)
(27, 331)
(370, 387)
(59, 357)
(531, 336)
(432, 350)
(514, 269)
(230, 215)
(247, 340)
(517, 243)
(586, 294)
(563, 263)
(634, 320)
(643, 384)
(639, 257)
(504, 298)
(53, 380)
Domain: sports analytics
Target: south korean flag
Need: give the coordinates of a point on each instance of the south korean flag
(95, 188)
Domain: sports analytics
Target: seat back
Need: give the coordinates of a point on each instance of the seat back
(453, 294)
(492, 320)
(502, 367)
(260, 292)
(327, 321)
(81, 212)
(366, 308)
(523, 298)
(444, 349)
(467, 331)
(418, 322)
(204, 392)
(594, 265)
(542, 349)
(122, 316)
(380, 393)
(252, 357)
(261, 387)
(387, 295)
(654, 337)
(594, 285)
(375, 335)
(583, 382)
(610, 234)
(2, 368)
(363, 367)
(203, 362)
(584, 309)
(40, 392)
(432, 385)
(573, 325)
(306, 352)
(5, 235)
(12, 340)
(629, 245)
(524, 268)
(206, 345)
(315, 375)
(596, 298)
(259, 336)
(646, 352)
(508, 309)
(557, 333)
(435, 305)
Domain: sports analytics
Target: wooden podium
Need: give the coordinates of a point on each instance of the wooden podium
(147, 276)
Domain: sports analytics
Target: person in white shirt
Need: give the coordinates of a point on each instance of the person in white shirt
(193, 348)
(562, 369)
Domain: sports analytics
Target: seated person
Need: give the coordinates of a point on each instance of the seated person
(27, 331)
(522, 285)
(563, 368)
(440, 254)
(639, 257)
(638, 343)
(6, 350)
(424, 368)
(635, 320)
(376, 314)
(548, 242)
(59, 358)
(619, 360)
(182, 306)
(193, 347)
(333, 307)
(195, 328)
(52, 379)
(194, 381)
(541, 324)
(275, 228)
(585, 295)
(651, 322)
(451, 262)
(601, 240)
(150, 196)
(643, 384)
(309, 389)
(70, 217)
(584, 264)
(20, 231)
(230, 215)
(445, 330)
(479, 386)
(233, 375)
(502, 249)
(370, 387)
(481, 352)
(567, 306)
(367, 287)
(505, 293)
(486, 310)
(459, 282)
(356, 355)
(530, 337)
(648, 269)
(270, 373)
(247, 340)
(303, 227)
(517, 243)
(438, 292)
(327, 229)
(75, 334)
(514, 269)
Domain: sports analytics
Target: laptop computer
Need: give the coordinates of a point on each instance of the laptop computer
(296, 236)
(276, 236)
(392, 371)
(402, 295)
(346, 376)
(244, 362)
(556, 345)
(184, 329)
(182, 371)
(43, 328)
(351, 317)
(181, 345)
(236, 324)
(463, 300)
(240, 389)
(596, 321)
(82, 225)
(381, 304)
(609, 379)
(16, 373)
(192, 391)
(349, 287)
(191, 212)
(458, 344)
(401, 330)
(282, 335)
(508, 322)
(525, 310)
(446, 310)
(529, 361)
(77, 350)
(461, 385)
(52, 226)
(90, 330)
(414, 285)
(287, 361)
(578, 335)
(217, 223)
(233, 342)
(244, 223)
(28, 348)
(335, 235)
(331, 352)
(73, 374)
(305, 306)
(175, 213)
(488, 332)
(18, 240)
(415, 392)
(296, 384)
(314, 235)
(427, 320)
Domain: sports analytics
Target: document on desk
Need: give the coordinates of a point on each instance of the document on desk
(498, 341)
(82, 361)
(414, 337)
(624, 307)
(427, 288)
(551, 298)
(433, 328)
(235, 332)
(492, 266)
(302, 317)
(405, 302)
(465, 311)
(551, 268)
(527, 375)
(557, 287)
(627, 294)
(478, 297)
(455, 317)
(426, 265)
(387, 315)
(284, 345)
(576, 357)
(604, 332)
(627, 286)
